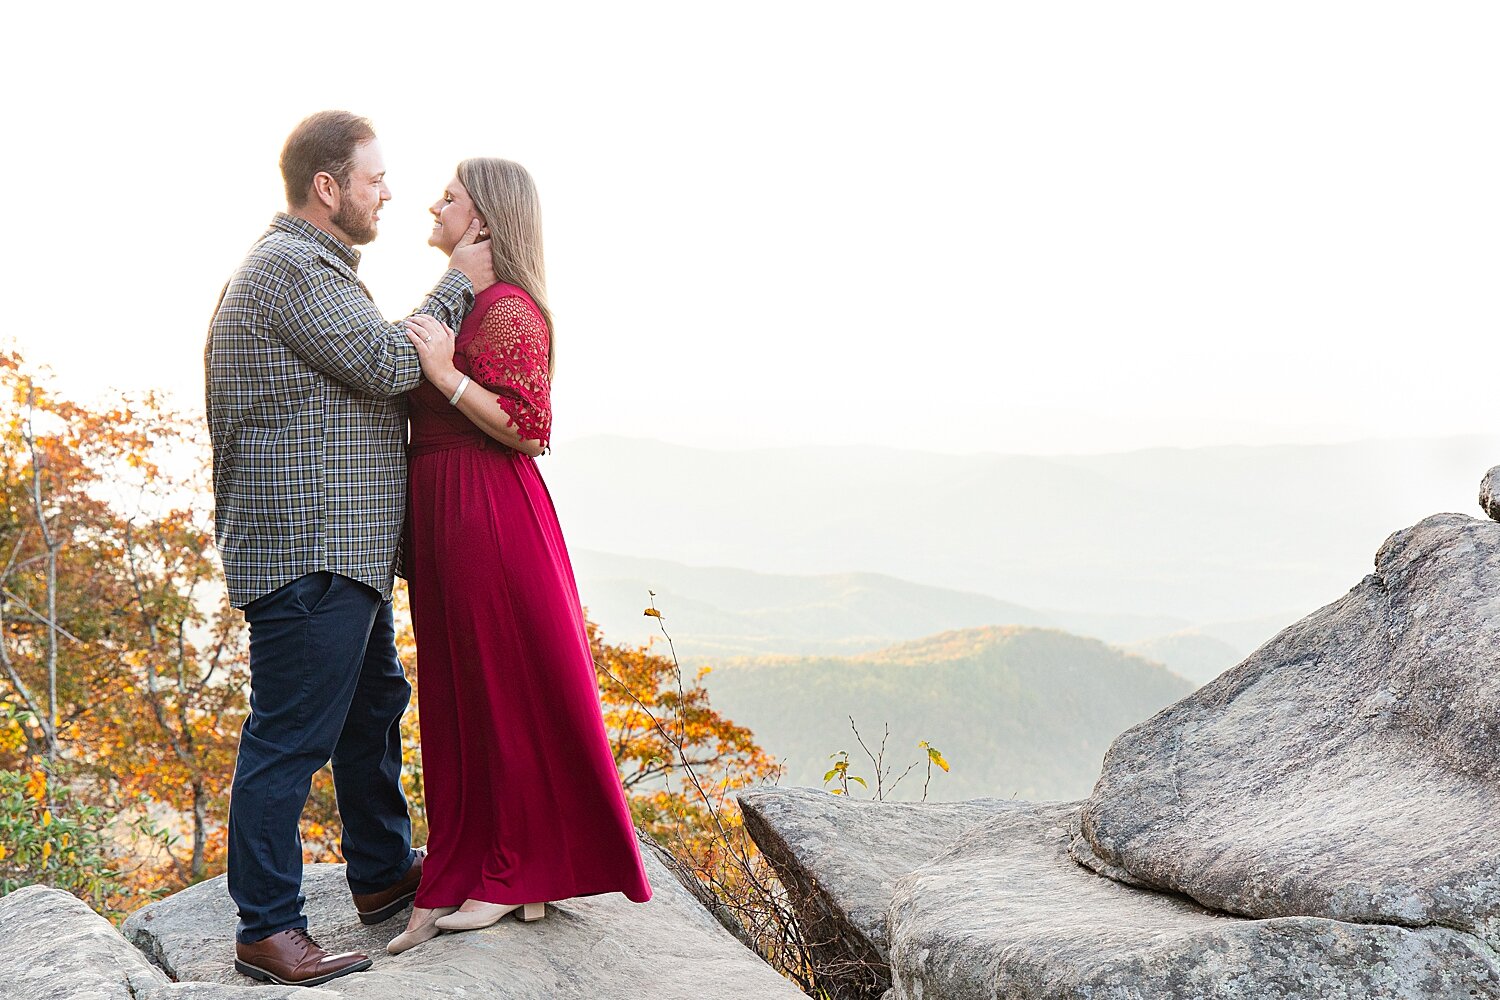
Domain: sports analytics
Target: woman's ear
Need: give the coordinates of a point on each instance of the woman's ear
(484, 229)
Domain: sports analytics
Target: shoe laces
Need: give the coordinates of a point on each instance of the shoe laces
(307, 939)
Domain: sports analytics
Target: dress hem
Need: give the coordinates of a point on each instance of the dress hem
(518, 902)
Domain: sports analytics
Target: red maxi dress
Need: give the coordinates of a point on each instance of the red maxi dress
(524, 802)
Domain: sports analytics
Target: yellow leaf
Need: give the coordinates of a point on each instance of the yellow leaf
(652, 612)
(46, 850)
(2, 852)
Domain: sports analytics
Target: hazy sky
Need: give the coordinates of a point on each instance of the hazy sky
(1021, 227)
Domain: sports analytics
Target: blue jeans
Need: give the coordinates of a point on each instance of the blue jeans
(325, 684)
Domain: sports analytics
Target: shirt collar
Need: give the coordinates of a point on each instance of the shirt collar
(307, 231)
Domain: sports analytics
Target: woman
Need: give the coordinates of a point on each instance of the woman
(524, 803)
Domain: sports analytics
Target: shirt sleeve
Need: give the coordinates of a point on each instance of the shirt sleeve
(508, 356)
(450, 299)
(329, 321)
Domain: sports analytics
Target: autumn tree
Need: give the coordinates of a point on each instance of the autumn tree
(118, 657)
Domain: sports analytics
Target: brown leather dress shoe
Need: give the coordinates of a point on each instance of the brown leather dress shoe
(293, 958)
(376, 907)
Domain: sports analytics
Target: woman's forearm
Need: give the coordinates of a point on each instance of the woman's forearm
(484, 411)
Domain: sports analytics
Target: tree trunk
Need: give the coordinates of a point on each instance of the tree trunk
(52, 638)
(200, 827)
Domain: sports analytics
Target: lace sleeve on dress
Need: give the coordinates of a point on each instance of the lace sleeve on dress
(508, 356)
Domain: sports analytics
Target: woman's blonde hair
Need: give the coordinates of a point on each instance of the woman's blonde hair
(505, 198)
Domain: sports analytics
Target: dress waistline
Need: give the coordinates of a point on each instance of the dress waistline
(482, 442)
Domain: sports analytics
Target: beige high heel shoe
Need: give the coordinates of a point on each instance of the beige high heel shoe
(485, 914)
(426, 930)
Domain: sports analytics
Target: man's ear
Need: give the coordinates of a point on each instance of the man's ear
(326, 190)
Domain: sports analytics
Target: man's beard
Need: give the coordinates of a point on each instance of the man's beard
(358, 226)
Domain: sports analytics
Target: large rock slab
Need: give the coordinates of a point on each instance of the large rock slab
(1347, 769)
(1006, 913)
(840, 858)
(587, 948)
(56, 948)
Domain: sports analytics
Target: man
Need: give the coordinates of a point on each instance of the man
(305, 387)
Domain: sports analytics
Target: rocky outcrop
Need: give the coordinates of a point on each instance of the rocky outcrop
(586, 948)
(1348, 769)
(593, 947)
(839, 859)
(1003, 912)
(1322, 820)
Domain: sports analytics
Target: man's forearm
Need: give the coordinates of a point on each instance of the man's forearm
(450, 299)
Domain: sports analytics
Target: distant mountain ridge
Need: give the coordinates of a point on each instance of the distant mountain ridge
(1016, 710)
(718, 610)
(1191, 535)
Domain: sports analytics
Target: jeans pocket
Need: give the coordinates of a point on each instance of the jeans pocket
(312, 589)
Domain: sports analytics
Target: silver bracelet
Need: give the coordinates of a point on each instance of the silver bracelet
(463, 384)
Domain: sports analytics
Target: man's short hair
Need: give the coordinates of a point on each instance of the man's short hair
(321, 143)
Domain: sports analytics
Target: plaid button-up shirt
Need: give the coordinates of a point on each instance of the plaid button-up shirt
(307, 412)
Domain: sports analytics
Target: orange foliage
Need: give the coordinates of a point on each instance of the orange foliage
(106, 532)
(678, 758)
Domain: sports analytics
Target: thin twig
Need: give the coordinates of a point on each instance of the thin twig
(876, 763)
(38, 617)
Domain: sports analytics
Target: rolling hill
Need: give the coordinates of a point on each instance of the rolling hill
(1016, 711)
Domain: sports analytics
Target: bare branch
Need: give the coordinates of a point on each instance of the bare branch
(51, 545)
(38, 617)
(15, 677)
